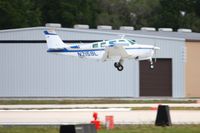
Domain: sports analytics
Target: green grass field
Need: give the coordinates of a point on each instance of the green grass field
(118, 129)
(154, 129)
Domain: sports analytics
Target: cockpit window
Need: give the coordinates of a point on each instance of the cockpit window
(95, 45)
(103, 44)
(132, 42)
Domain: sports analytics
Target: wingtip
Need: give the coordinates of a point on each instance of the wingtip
(157, 48)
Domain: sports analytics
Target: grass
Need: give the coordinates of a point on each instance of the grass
(154, 129)
(118, 129)
(28, 129)
(101, 101)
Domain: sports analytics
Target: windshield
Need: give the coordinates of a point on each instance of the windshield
(132, 42)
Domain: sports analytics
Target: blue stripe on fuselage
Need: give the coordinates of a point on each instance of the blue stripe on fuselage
(67, 50)
(82, 50)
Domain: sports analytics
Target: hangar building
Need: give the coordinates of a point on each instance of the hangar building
(27, 70)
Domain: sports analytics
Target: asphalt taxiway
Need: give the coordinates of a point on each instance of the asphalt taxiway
(77, 116)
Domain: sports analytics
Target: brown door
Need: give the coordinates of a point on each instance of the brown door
(157, 81)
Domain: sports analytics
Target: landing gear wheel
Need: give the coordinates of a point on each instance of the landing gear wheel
(116, 64)
(120, 67)
(152, 66)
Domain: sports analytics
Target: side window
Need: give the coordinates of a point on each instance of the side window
(112, 42)
(121, 41)
(95, 45)
(103, 44)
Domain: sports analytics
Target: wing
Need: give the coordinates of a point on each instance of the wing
(114, 51)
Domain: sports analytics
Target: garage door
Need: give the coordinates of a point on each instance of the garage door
(156, 82)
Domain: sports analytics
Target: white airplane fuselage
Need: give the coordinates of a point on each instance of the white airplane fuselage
(117, 50)
(136, 51)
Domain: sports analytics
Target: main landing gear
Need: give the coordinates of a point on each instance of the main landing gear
(119, 66)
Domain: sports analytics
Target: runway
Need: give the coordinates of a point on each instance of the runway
(93, 106)
(76, 116)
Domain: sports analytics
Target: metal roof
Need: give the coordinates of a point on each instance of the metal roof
(138, 33)
(184, 35)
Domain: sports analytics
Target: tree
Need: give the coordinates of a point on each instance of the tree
(143, 12)
(18, 13)
(113, 12)
(138, 13)
(178, 14)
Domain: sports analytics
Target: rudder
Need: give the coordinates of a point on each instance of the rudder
(53, 40)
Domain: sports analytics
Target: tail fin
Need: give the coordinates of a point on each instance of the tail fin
(53, 40)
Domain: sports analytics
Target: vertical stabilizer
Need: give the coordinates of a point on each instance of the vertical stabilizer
(53, 40)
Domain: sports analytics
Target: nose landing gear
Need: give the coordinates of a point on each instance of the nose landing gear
(152, 66)
(151, 63)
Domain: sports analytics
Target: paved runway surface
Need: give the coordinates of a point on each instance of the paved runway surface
(74, 116)
(56, 106)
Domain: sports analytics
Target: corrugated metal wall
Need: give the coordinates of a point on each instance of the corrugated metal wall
(28, 71)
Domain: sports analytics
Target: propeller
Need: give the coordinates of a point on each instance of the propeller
(155, 51)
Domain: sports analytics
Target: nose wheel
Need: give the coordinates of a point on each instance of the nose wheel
(152, 66)
(119, 66)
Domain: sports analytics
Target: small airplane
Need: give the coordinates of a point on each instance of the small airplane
(116, 50)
